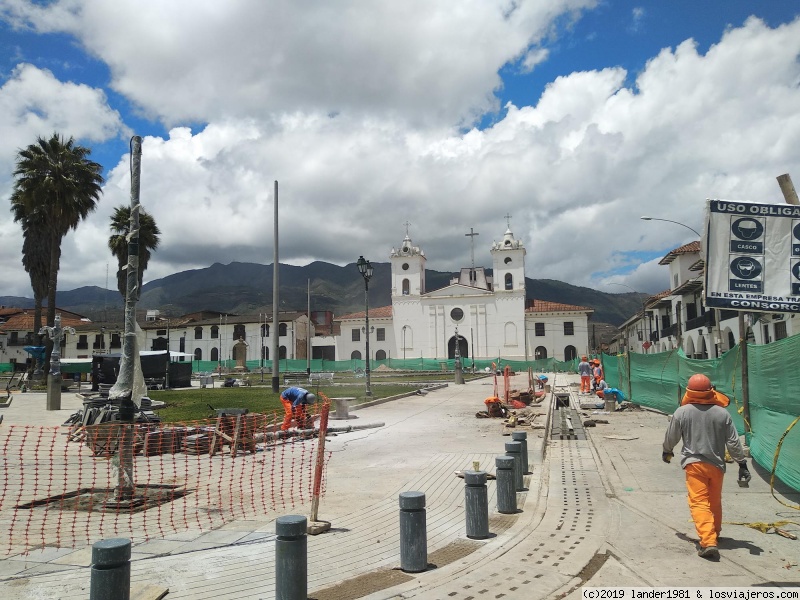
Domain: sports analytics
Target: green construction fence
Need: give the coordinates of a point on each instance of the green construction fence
(658, 381)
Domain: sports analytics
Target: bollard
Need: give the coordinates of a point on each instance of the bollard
(291, 558)
(522, 438)
(342, 412)
(111, 570)
(515, 449)
(506, 492)
(413, 532)
(476, 503)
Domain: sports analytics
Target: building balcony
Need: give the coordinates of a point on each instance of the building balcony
(668, 331)
(704, 320)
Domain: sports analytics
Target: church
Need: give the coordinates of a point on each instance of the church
(477, 315)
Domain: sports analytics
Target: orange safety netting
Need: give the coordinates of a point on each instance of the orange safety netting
(61, 487)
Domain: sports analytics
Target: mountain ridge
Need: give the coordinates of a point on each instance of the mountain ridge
(242, 288)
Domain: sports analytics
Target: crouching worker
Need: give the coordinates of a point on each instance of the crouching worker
(707, 430)
(294, 401)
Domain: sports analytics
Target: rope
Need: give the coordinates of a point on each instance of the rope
(775, 465)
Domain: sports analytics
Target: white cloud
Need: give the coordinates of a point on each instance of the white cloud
(576, 171)
(202, 60)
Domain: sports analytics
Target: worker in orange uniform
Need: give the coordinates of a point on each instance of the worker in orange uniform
(294, 401)
(585, 371)
(707, 430)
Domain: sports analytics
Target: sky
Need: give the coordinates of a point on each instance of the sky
(573, 117)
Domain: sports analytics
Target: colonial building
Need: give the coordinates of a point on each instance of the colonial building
(486, 316)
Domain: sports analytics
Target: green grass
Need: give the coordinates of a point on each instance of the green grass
(192, 404)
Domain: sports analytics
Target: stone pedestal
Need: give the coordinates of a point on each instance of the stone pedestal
(54, 392)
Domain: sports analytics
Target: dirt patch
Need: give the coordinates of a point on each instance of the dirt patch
(363, 585)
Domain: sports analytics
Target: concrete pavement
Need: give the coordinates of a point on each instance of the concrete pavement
(598, 511)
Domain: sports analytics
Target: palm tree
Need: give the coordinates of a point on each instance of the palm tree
(35, 258)
(118, 243)
(56, 187)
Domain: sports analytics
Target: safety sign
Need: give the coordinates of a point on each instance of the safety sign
(752, 256)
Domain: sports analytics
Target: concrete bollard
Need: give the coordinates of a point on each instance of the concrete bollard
(514, 449)
(506, 490)
(342, 412)
(291, 558)
(413, 532)
(111, 570)
(476, 503)
(522, 438)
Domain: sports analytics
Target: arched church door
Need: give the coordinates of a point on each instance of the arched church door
(463, 347)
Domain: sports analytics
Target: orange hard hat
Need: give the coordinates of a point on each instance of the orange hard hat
(698, 383)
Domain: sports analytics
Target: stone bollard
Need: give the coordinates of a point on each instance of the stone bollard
(342, 412)
(514, 449)
(111, 570)
(476, 503)
(522, 438)
(291, 558)
(506, 490)
(413, 532)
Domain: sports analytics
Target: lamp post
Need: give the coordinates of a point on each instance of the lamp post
(671, 221)
(365, 268)
(404, 344)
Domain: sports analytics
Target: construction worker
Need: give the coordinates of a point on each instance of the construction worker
(585, 371)
(707, 430)
(294, 401)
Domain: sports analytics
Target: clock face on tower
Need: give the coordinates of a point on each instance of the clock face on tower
(405, 267)
(456, 314)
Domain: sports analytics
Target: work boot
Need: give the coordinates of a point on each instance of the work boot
(710, 553)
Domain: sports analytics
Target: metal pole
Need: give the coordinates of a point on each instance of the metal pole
(506, 489)
(413, 532)
(366, 303)
(275, 301)
(476, 505)
(308, 332)
(291, 558)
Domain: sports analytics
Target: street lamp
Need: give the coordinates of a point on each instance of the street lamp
(671, 221)
(404, 345)
(365, 268)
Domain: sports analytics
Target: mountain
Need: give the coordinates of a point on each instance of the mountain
(246, 288)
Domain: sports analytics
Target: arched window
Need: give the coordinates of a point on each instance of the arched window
(239, 332)
(509, 281)
(198, 354)
(215, 354)
(539, 353)
(264, 330)
(282, 329)
(282, 352)
(356, 355)
(265, 352)
(570, 353)
(510, 334)
(198, 334)
(214, 332)
(406, 287)
(380, 355)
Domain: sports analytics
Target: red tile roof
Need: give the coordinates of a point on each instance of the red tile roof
(24, 322)
(541, 306)
(382, 312)
(685, 249)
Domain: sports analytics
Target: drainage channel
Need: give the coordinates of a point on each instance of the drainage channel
(565, 424)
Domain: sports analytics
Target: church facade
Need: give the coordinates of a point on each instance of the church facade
(477, 315)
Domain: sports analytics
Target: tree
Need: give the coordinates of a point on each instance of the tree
(118, 243)
(35, 259)
(56, 186)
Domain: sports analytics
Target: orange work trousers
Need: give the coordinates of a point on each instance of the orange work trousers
(704, 483)
(298, 413)
(585, 383)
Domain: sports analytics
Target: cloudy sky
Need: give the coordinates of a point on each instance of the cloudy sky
(575, 117)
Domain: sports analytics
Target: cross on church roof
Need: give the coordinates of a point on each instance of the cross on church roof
(508, 220)
(406, 224)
